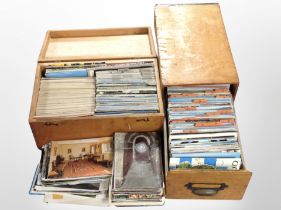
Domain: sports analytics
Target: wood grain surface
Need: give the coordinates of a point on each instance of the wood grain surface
(192, 45)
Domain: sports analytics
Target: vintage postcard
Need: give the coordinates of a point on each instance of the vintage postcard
(80, 158)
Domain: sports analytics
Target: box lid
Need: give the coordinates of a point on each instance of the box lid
(77, 45)
(193, 46)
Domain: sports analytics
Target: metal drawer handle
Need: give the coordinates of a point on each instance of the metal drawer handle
(209, 189)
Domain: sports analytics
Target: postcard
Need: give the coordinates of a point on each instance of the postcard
(80, 158)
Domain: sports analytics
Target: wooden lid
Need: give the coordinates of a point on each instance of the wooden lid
(193, 46)
(77, 45)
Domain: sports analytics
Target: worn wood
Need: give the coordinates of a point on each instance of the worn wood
(193, 50)
(89, 127)
(151, 43)
(118, 43)
(35, 93)
(98, 32)
(237, 182)
(193, 47)
(45, 45)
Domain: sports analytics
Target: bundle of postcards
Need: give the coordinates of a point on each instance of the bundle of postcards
(137, 174)
(66, 91)
(80, 171)
(127, 88)
(85, 89)
(75, 171)
(202, 128)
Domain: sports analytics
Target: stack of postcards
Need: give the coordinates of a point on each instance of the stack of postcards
(86, 89)
(202, 128)
(128, 88)
(138, 177)
(75, 171)
(65, 96)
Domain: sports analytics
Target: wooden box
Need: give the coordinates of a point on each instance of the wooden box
(193, 50)
(103, 45)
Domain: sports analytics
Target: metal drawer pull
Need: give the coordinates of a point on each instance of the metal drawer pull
(208, 189)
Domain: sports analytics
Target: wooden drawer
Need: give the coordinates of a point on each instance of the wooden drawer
(193, 49)
(89, 127)
(207, 184)
(100, 45)
(204, 183)
(68, 128)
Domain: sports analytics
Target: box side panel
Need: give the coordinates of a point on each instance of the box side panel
(93, 127)
(35, 93)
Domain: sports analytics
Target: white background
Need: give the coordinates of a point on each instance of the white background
(254, 32)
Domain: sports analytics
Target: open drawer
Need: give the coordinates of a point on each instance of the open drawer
(97, 46)
(207, 184)
(204, 183)
(193, 50)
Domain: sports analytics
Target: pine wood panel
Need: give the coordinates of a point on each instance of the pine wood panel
(118, 43)
(192, 45)
(236, 181)
(79, 128)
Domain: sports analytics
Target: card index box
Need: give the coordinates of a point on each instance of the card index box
(100, 45)
(193, 50)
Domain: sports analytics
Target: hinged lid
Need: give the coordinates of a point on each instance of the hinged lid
(193, 46)
(77, 45)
